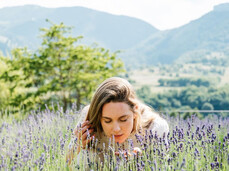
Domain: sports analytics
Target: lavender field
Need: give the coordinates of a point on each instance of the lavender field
(40, 142)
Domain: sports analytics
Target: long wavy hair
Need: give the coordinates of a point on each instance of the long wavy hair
(117, 89)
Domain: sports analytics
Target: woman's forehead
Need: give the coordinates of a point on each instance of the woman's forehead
(116, 109)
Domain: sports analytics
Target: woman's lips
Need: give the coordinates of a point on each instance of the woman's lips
(117, 136)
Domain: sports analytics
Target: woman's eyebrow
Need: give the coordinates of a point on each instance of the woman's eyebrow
(123, 116)
(105, 117)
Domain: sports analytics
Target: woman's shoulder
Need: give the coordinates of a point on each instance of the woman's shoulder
(151, 120)
(160, 122)
(160, 126)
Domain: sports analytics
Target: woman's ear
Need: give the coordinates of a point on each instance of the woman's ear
(135, 115)
(136, 107)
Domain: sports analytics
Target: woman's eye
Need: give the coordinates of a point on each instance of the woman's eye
(123, 120)
(107, 121)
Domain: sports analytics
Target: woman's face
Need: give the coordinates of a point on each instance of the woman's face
(117, 120)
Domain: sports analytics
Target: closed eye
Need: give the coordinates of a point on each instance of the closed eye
(108, 121)
(123, 120)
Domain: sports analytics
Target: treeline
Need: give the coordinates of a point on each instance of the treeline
(192, 97)
(183, 82)
(60, 72)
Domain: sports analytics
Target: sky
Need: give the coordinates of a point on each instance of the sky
(162, 14)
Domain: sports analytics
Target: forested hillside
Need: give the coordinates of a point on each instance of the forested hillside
(187, 87)
(19, 26)
(206, 37)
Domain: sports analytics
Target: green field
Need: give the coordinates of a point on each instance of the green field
(150, 76)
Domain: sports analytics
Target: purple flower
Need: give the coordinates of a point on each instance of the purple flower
(3, 140)
(45, 147)
(116, 168)
(212, 165)
(174, 154)
(197, 130)
(228, 159)
(142, 164)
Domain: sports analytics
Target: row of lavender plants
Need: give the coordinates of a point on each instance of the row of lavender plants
(41, 141)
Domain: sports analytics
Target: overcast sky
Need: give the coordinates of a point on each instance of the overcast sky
(163, 14)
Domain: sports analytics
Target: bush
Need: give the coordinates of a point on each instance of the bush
(207, 106)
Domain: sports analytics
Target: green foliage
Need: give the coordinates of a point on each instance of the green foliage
(4, 91)
(173, 114)
(60, 71)
(182, 82)
(18, 77)
(201, 98)
(207, 106)
(143, 92)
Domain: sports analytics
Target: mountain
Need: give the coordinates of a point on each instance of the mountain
(206, 38)
(203, 37)
(19, 26)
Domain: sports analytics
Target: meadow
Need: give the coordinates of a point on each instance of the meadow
(40, 142)
(150, 76)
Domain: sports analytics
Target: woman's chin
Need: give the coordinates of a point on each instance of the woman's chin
(119, 140)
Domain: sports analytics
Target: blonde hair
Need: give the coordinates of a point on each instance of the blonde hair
(117, 89)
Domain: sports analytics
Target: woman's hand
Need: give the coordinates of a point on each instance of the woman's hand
(137, 151)
(84, 133)
(125, 154)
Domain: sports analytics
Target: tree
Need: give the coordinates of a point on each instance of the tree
(144, 92)
(207, 106)
(61, 70)
(4, 91)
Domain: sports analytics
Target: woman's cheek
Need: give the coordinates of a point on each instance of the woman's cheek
(127, 125)
(107, 129)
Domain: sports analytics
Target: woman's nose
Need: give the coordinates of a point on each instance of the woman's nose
(116, 128)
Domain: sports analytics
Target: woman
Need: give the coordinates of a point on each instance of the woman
(116, 113)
